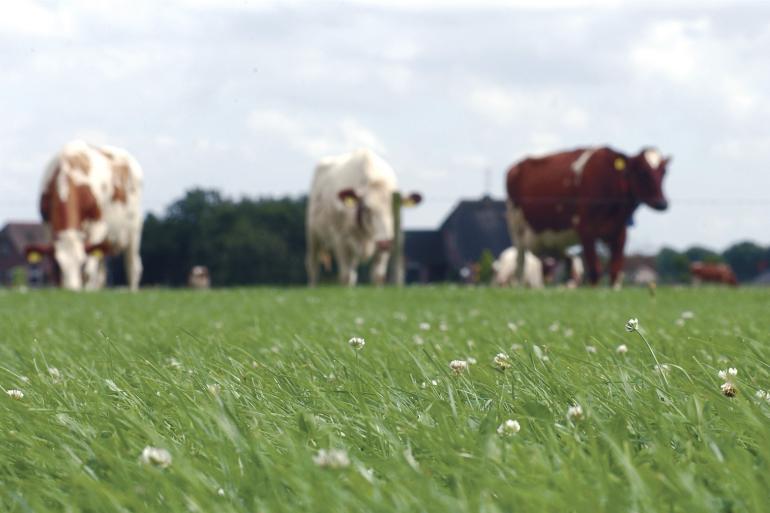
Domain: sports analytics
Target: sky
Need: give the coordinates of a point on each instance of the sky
(245, 97)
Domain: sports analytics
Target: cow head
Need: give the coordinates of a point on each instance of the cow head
(373, 208)
(70, 253)
(645, 174)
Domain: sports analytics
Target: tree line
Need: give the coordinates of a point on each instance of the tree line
(262, 241)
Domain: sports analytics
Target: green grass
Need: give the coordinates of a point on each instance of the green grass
(265, 379)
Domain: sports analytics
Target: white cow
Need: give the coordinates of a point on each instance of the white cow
(505, 269)
(91, 200)
(350, 215)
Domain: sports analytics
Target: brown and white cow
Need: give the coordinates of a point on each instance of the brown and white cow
(712, 273)
(91, 200)
(350, 215)
(580, 197)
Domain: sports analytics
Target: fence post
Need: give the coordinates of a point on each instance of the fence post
(397, 250)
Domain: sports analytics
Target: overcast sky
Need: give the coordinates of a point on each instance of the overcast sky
(244, 96)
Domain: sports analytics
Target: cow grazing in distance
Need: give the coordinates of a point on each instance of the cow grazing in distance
(199, 277)
(350, 215)
(505, 270)
(91, 201)
(712, 273)
(582, 196)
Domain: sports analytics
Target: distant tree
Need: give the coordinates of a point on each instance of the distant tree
(701, 254)
(747, 259)
(242, 242)
(673, 267)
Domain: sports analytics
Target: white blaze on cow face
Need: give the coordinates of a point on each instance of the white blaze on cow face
(70, 254)
(581, 161)
(653, 158)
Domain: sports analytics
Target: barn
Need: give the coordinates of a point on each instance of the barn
(458, 243)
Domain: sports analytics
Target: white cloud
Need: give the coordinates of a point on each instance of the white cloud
(312, 140)
(26, 18)
(537, 108)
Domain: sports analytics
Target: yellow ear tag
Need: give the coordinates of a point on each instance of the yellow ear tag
(34, 257)
(350, 202)
(97, 253)
(620, 164)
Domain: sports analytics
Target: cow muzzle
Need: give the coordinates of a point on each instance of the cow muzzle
(384, 245)
(660, 204)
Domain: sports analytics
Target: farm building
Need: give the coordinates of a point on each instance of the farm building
(14, 268)
(470, 228)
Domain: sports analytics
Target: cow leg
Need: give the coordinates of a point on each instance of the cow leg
(133, 261)
(96, 272)
(591, 259)
(379, 267)
(311, 261)
(617, 244)
(348, 266)
(517, 229)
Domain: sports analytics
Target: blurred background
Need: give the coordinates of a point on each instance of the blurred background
(228, 105)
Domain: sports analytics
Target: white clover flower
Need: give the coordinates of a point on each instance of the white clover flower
(471, 360)
(516, 347)
(687, 314)
(434, 382)
(512, 326)
(622, 349)
(502, 361)
(443, 327)
(591, 349)
(55, 374)
(662, 368)
(458, 366)
(418, 340)
(632, 324)
(761, 394)
(575, 412)
(333, 458)
(24, 379)
(156, 456)
(357, 343)
(569, 332)
(554, 327)
(424, 326)
(679, 322)
(728, 389)
(509, 427)
(220, 492)
(359, 321)
(15, 394)
(728, 375)
(173, 363)
(214, 388)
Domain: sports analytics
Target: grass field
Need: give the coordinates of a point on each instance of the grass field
(243, 388)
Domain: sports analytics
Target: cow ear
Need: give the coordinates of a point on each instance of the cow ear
(411, 200)
(348, 197)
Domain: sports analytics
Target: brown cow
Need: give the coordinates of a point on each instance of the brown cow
(713, 273)
(582, 196)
